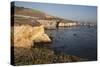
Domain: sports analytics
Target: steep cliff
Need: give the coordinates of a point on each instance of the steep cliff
(25, 35)
(48, 24)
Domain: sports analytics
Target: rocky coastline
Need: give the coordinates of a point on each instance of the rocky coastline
(26, 32)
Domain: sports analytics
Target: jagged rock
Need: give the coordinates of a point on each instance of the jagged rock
(48, 24)
(24, 35)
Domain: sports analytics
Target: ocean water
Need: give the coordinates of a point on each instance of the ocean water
(80, 41)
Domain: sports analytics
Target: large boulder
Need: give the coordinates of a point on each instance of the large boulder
(25, 35)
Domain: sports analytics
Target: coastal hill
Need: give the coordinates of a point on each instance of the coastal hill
(29, 16)
(28, 12)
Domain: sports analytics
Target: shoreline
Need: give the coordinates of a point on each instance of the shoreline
(41, 55)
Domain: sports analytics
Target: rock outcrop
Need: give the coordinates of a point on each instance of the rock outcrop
(66, 24)
(48, 24)
(25, 35)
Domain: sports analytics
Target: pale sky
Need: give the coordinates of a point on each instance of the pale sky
(73, 12)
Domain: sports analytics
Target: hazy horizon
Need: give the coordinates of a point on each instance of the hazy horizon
(72, 12)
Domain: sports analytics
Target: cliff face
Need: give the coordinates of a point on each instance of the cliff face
(66, 24)
(25, 35)
(48, 24)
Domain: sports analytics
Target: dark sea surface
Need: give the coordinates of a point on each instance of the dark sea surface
(80, 41)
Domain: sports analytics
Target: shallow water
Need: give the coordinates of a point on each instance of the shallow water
(79, 41)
